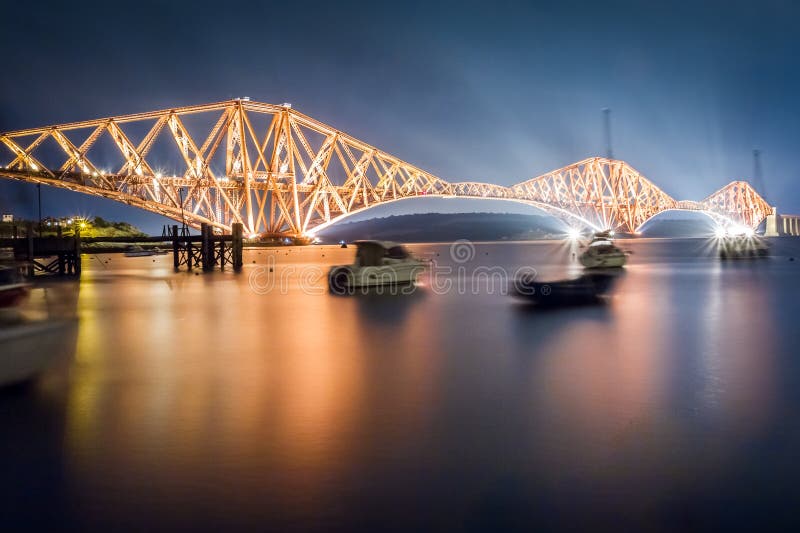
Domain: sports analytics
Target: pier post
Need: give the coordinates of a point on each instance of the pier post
(62, 253)
(236, 246)
(206, 252)
(77, 252)
(175, 257)
(29, 234)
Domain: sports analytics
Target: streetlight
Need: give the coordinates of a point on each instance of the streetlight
(39, 191)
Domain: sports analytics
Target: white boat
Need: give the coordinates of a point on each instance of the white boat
(376, 263)
(13, 289)
(602, 253)
(135, 250)
(742, 247)
(30, 347)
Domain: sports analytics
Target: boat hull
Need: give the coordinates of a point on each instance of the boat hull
(743, 250)
(13, 295)
(344, 278)
(586, 289)
(29, 348)
(604, 261)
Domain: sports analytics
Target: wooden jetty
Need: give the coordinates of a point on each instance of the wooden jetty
(60, 255)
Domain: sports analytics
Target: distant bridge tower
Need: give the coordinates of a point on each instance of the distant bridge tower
(758, 177)
(607, 130)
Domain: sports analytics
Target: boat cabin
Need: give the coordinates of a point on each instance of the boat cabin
(373, 253)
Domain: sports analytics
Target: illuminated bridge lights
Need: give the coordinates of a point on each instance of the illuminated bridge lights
(278, 171)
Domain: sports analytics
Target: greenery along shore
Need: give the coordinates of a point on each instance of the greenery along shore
(93, 227)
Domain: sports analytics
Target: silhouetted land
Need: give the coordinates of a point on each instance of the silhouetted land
(439, 227)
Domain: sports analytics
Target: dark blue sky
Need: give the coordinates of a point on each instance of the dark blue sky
(491, 91)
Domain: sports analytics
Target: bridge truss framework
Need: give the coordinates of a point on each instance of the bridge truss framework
(278, 171)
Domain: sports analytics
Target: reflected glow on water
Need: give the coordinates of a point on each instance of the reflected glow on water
(197, 399)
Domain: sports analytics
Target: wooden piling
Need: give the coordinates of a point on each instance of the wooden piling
(30, 255)
(62, 255)
(206, 252)
(77, 253)
(236, 246)
(221, 254)
(176, 263)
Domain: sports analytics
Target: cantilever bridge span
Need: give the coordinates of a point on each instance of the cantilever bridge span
(278, 171)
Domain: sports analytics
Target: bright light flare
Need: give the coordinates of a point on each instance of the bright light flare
(573, 234)
(720, 232)
(741, 230)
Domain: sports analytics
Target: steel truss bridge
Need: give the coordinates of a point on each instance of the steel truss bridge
(280, 172)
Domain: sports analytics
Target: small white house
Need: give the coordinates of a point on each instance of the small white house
(8, 218)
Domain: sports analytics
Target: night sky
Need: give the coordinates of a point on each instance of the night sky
(490, 91)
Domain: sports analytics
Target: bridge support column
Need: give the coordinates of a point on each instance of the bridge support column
(772, 229)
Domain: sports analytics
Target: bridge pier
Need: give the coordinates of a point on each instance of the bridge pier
(782, 225)
(212, 250)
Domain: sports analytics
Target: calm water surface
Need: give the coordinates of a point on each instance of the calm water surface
(259, 401)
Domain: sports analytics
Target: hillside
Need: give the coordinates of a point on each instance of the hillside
(439, 227)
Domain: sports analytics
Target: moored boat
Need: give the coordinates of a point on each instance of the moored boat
(602, 253)
(29, 348)
(588, 288)
(742, 247)
(134, 250)
(13, 288)
(376, 263)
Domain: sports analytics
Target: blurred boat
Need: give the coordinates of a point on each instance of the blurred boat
(13, 288)
(376, 263)
(602, 253)
(134, 250)
(742, 247)
(30, 347)
(588, 288)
